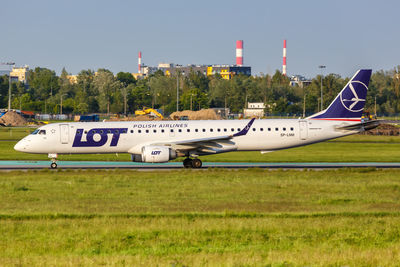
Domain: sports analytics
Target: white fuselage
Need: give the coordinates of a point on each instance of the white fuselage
(131, 136)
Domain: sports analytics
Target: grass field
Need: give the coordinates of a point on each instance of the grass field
(208, 217)
(201, 217)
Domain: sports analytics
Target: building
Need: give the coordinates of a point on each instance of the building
(227, 72)
(20, 74)
(73, 79)
(254, 110)
(299, 80)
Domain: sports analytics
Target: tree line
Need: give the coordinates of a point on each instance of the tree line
(104, 92)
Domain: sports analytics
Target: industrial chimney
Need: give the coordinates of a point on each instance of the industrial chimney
(239, 52)
(140, 62)
(284, 58)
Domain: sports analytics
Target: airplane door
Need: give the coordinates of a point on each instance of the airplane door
(303, 130)
(64, 133)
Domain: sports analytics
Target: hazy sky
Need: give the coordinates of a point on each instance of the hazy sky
(82, 34)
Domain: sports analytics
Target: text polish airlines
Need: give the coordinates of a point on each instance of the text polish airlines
(161, 141)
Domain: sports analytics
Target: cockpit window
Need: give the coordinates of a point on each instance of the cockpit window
(43, 132)
(35, 131)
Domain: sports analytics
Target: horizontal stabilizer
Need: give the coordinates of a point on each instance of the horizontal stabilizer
(363, 126)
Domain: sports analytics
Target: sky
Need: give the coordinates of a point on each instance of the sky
(90, 34)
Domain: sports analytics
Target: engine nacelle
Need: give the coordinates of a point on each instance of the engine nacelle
(155, 154)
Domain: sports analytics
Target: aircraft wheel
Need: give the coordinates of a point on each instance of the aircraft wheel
(187, 163)
(197, 163)
(53, 165)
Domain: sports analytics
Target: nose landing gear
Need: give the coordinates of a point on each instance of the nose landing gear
(192, 163)
(53, 164)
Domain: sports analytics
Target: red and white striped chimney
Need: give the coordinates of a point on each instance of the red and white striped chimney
(239, 52)
(140, 62)
(284, 58)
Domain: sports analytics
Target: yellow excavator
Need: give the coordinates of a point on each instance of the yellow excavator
(149, 111)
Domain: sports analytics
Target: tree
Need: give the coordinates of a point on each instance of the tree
(43, 82)
(109, 91)
(86, 92)
(126, 78)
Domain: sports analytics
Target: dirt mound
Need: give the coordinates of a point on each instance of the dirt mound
(384, 129)
(12, 118)
(144, 118)
(204, 114)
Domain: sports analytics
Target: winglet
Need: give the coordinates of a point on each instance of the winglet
(245, 129)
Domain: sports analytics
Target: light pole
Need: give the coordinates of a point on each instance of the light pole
(125, 100)
(322, 102)
(177, 91)
(9, 83)
(61, 104)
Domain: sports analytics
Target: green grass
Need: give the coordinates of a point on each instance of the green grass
(209, 217)
(14, 133)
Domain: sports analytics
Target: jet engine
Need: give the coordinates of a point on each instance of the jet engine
(155, 154)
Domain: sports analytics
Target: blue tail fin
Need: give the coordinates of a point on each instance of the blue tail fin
(350, 102)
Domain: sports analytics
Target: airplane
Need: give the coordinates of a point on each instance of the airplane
(162, 141)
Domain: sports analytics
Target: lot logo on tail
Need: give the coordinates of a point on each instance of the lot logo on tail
(350, 99)
(98, 137)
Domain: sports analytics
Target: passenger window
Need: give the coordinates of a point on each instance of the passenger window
(139, 131)
(218, 129)
(254, 129)
(284, 129)
(147, 131)
(154, 131)
(162, 130)
(131, 131)
(116, 131)
(225, 129)
(239, 129)
(172, 130)
(196, 130)
(188, 130)
(85, 132)
(261, 129)
(291, 128)
(211, 130)
(232, 129)
(276, 129)
(101, 131)
(204, 130)
(180, 130)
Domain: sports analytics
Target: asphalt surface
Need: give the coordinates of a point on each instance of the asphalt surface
(23, 165)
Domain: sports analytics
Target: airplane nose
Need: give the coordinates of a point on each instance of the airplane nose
(20, 146)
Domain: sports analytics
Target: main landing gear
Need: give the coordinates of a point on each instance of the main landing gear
(53, 164)
(192, 163)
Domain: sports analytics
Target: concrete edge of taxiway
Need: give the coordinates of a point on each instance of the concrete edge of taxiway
(21, 165)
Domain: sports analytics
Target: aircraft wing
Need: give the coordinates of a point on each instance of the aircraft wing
(212, 144)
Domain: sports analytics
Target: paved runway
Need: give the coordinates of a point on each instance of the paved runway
(15, 165)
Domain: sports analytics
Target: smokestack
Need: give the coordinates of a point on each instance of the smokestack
(284, 58)
(140, 62)
(239, 52)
